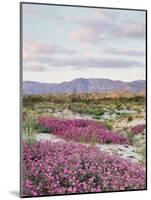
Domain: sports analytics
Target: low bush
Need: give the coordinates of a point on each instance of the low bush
(138, 129)
(82, 130)
(130, 118)
(61, 168)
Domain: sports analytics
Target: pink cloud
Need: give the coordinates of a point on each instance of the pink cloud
(105, 26)
(33, 50)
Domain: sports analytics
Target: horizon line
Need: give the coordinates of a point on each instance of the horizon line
(82, 78)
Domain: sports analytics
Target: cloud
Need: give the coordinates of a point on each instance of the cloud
(44, 57)
(33, 67)
(81, 62)
(130, 29)
(95, 62)
(106, 26)
(33, 51)
(102, 25)
(124, 51)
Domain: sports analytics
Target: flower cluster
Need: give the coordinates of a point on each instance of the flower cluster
(59, 168)
(81, 130)
(138, 128)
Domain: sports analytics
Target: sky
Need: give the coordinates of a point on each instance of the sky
(61, 43)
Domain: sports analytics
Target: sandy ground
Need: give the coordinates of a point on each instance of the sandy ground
(67, 114)
(136, 122)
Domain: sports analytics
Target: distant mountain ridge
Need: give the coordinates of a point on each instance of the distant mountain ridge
(82, 85)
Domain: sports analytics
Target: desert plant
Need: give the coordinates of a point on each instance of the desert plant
(29, 125)
(59, 168)
(130, 118)
(138, 129)
(86, 129)
(130, 137)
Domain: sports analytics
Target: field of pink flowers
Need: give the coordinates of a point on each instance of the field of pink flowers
(62, 168)
(80, 130)
(102, 154)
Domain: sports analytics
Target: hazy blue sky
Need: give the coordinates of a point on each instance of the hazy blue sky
(62, 43)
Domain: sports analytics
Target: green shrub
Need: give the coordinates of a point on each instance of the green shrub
(109, 125)
(130, 137)
(96, 117)
(29, 125)
(130, 118)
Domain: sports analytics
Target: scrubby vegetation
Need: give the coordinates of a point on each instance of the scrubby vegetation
(81, 130)
(82, 122)
(70, 168)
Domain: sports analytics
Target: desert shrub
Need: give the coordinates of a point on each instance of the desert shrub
(99, 113)
(30, 128)
(29, 125)
(84, 130)
(118, 105)
(138, 129)
(130, 118)
(142, 152)
(124, 115)
(96, 117)
(59, 168)
(130, 137)
(108, 124)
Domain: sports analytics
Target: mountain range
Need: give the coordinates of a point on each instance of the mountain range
(83, 85)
